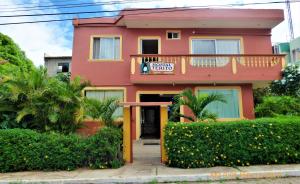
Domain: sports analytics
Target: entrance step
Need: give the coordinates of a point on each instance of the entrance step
(151, 141)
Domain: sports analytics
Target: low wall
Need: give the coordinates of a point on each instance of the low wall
(90, 127)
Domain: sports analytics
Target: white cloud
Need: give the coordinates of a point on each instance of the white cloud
(37, 39)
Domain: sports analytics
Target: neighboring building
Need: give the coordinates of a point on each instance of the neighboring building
(57, 64)
(295, 50)
(283, 48)
(150, 55)
(291, 49)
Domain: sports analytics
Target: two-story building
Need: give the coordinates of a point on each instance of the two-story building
(150, 55)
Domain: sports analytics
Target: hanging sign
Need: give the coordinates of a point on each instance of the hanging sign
(161, 68)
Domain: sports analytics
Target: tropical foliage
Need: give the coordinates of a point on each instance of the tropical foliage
(30, 99)
(281, 97)
(35, 101)
(102, 110)
(272, 106)
(289, 84)
(197, 103)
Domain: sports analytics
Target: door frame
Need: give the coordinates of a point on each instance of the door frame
(138, 109)
(140, 38)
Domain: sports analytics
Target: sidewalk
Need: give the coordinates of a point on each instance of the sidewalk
(147, 168)
(135, 173)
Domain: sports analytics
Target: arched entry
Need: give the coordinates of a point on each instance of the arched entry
(127, 128)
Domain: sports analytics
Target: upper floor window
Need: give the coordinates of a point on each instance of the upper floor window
(215, 46)
(173, 35)
(106, 48)
(212, 47)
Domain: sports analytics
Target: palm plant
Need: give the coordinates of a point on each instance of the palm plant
(197, 104)
(102, 110)
(40, 102)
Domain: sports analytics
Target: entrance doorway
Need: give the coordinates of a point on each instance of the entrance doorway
(150, 115)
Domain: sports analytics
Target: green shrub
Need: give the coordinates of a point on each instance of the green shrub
(241, 143)
(25, 150)
(104, 149)
(278, 105)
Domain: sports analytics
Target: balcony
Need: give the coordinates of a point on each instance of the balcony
(197, 69)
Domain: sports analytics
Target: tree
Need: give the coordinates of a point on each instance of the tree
(10, 52)
(289, 84)
(197, 104)
(102, 110)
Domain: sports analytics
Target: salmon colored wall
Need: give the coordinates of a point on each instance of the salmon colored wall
(89, 128)
(247, 97)
(117, 74)
(256, 41)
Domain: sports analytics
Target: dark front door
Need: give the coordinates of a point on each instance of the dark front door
(150, 122)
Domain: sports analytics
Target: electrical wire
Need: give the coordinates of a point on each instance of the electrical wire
(169, 9)
(76, 5)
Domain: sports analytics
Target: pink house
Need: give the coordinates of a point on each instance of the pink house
(150, 55)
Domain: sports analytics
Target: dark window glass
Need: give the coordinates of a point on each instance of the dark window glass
(64, 67)
(175, 35)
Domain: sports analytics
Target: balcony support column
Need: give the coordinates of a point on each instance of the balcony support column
(233, 62)
(283, 62)
(183, 69)
(132, 65)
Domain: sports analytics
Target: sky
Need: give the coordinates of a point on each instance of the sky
(55, 38)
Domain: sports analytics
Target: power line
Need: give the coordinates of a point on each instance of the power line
(44, 2)
(65, 6)
(105, 11)
(47, 2)
(169, 9)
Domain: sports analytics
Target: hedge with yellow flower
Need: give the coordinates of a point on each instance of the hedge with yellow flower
(240, 143)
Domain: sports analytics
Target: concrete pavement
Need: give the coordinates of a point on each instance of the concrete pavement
(147, 168)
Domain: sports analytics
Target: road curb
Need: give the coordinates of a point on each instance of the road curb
(214, 176)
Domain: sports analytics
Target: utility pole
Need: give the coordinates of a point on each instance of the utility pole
(290, 21)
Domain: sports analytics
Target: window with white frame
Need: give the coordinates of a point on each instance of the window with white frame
(106, 48)
(173, 35)
(214, 46)
(104, 94)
